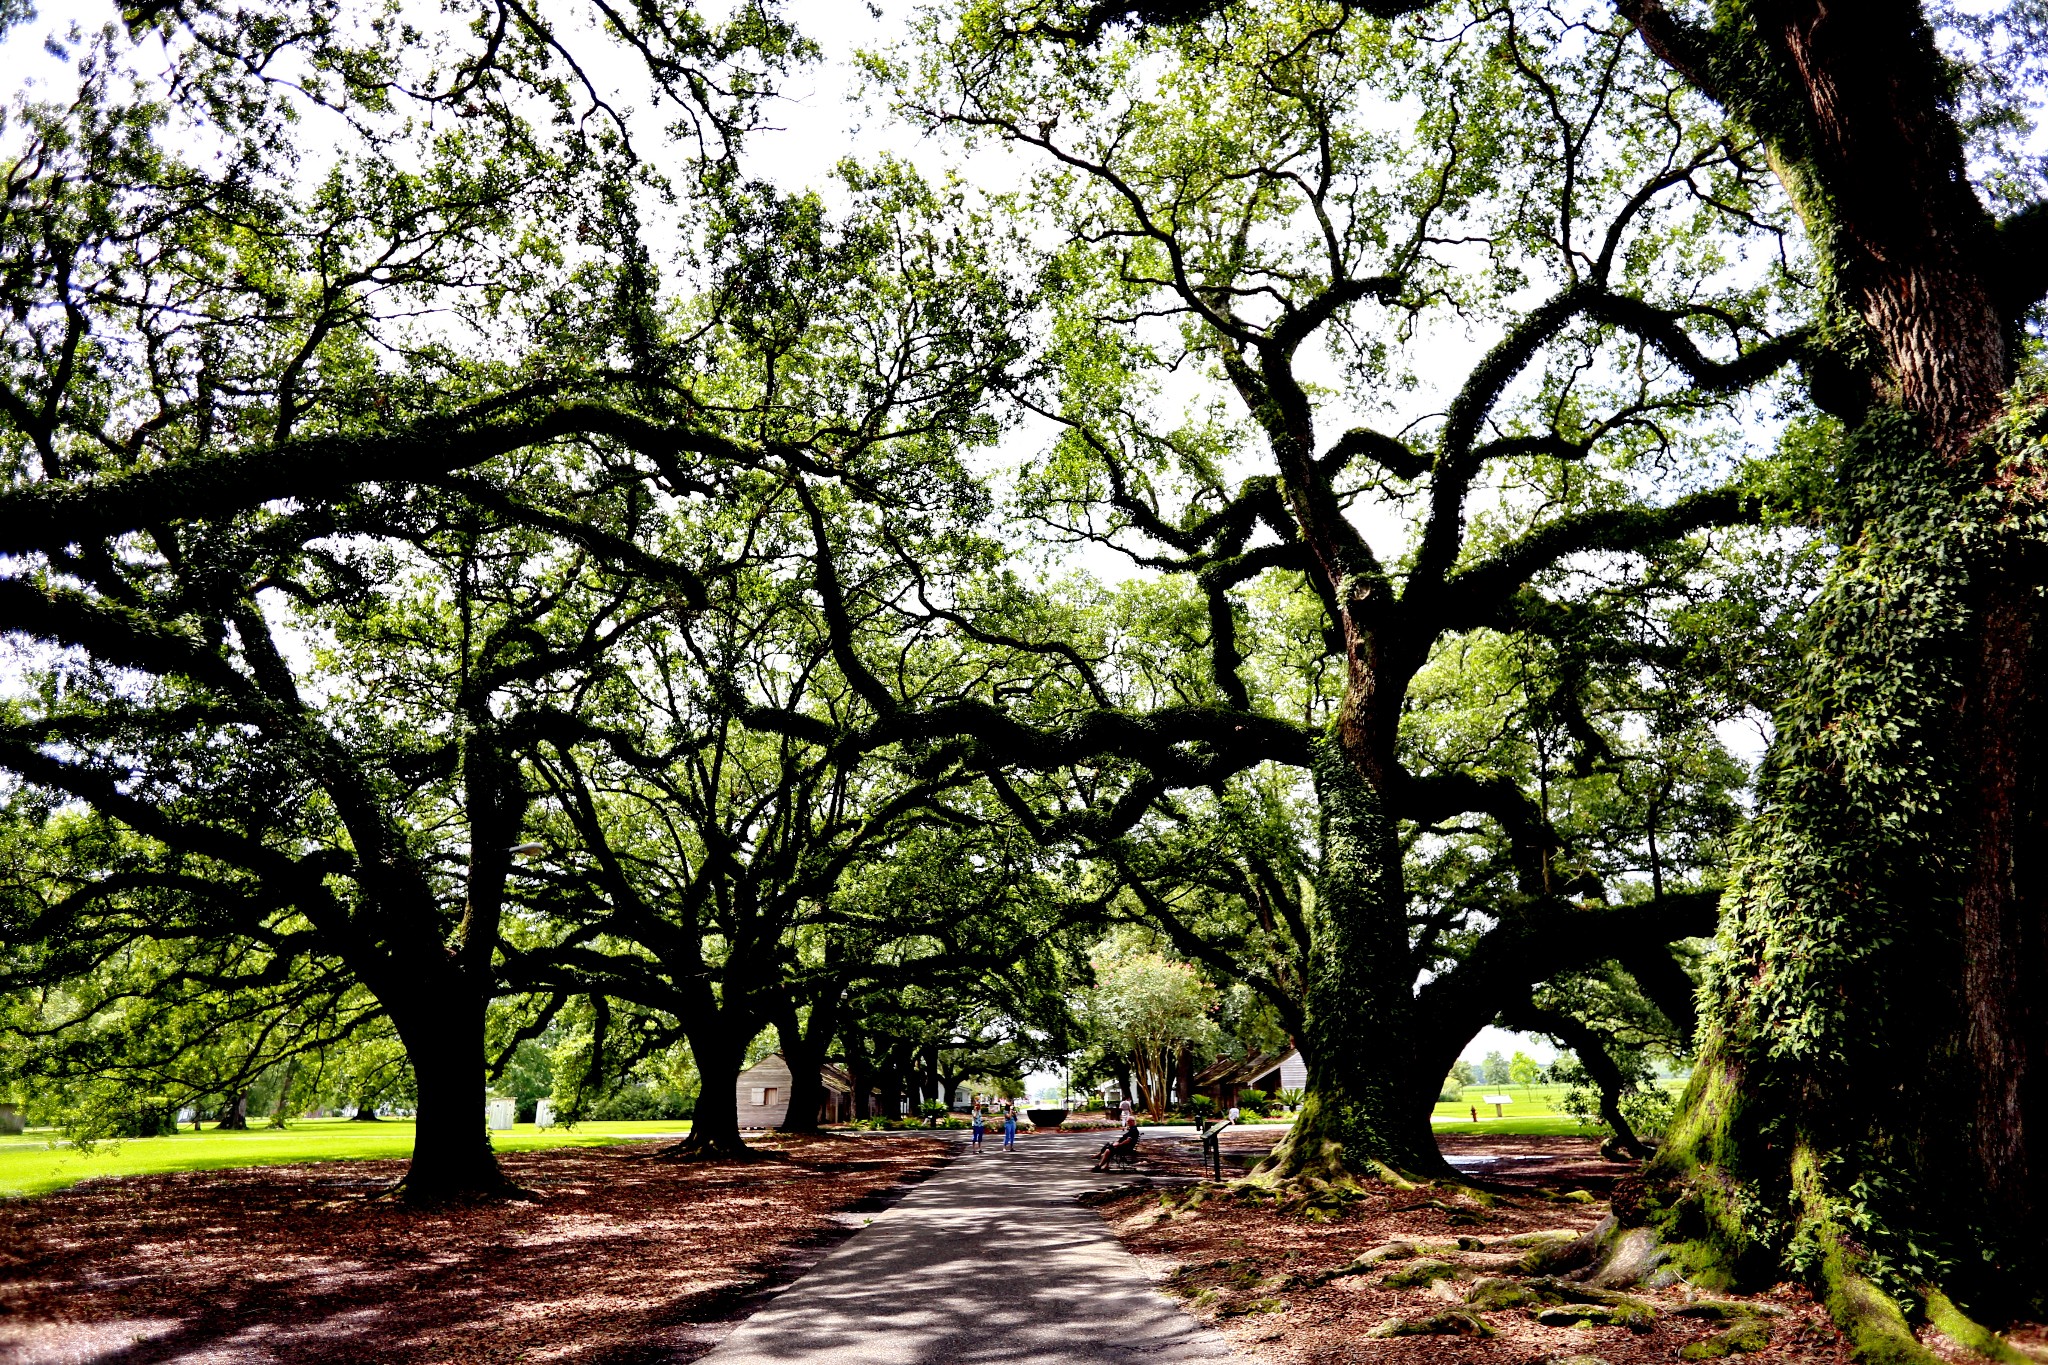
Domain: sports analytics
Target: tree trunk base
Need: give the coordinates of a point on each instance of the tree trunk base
(694, 1148)
(1704, 1241)
(1333, 1143)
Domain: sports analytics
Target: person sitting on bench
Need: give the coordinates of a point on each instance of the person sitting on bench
(1124, 1148)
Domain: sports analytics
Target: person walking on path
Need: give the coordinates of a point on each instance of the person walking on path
(1010, 1129)
(980, 1127)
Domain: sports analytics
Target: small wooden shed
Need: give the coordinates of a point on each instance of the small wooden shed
(1223, 1079)
(763, 1093)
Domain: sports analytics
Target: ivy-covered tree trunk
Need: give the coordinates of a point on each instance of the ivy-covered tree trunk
(1368, 1101)
(1833, 1122)
(1872, 1101)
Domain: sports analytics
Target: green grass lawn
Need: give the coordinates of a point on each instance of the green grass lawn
(1533, 1111)
(1528, 1100)
(39, 1162)
(1517, 1125)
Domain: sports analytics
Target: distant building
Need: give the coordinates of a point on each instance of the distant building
(1224, 1079)
(763, 1094)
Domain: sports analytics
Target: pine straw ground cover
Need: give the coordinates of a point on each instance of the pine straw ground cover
(620, 1257)
(1330, 1284)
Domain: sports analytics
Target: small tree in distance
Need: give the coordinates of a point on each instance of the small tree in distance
(1151, 1006)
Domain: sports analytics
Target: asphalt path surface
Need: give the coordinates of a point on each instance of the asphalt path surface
(989, 1260)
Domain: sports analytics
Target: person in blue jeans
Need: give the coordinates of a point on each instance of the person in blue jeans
(1010, 1129)
(980, 1127)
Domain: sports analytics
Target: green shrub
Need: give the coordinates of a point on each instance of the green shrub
(643, 1104)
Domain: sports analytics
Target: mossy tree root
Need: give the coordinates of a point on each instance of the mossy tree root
(1705, 1224)
(1315, 1153)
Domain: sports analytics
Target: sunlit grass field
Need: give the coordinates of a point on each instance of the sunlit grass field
(1527, 1101)
(40, 1161)
(1532, 1110)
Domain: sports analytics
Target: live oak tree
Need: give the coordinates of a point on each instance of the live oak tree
(1618, 751)
(1230, 211)
(1873, 1104)
(850, 361)
(948, 959)
(190, 348)
(191, 340)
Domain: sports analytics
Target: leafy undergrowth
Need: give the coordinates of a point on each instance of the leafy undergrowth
(619, 1258)
(1391, 1276)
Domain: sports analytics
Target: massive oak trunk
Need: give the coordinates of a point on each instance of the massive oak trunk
(1875, 1084)
(720, 1050)
(451, 1151)
(1368, 1101)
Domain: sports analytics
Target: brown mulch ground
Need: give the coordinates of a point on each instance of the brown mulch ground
(1242, 1266)
(621, 1258)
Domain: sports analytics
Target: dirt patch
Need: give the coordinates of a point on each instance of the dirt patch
(1313, 1286)
(620, 1258)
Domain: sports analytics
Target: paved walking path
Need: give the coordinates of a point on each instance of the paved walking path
(990, 1260)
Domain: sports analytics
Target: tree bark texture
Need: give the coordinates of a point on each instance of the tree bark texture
(1853, 100)
(806, 1057)
(451, 1152)
(1365, 1105)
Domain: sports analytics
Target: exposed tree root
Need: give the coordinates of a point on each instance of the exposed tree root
(1878, 1326)
(1970, 1334)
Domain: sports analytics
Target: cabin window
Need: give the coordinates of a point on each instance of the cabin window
(760, 1095)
